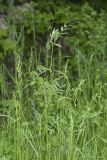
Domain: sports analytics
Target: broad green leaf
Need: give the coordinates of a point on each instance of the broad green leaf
(8, 44)
(3, 32)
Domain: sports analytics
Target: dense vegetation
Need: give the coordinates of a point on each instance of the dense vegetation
(53, 83)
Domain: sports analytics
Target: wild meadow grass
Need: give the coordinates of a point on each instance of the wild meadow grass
(48, 115)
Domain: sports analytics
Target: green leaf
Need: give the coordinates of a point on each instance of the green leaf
(8, 44)
(3, 32)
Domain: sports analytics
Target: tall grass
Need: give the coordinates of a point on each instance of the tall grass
(49, 116)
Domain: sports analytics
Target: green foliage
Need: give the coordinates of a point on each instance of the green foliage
(90, 31)
(53, 81)
(8, 44)
(87, 31)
